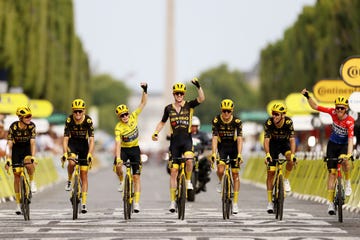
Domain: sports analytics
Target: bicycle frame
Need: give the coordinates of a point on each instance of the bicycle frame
(181, 190)
(128, 193)
(339, 194)
(76, 190)
(227, 192)
(25, 192)
(278, 189)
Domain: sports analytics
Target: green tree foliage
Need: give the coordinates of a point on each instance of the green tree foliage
(107, 93)
(219, 83)
(41, 52)
(312, 49)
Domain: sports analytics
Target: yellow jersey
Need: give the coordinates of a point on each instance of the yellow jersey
(128, 133)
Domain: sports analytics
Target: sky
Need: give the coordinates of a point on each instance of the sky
(126, 38)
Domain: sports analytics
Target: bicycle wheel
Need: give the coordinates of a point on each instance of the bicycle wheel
(74, 198)
(24, 202)
(340, 199)
(275, 197)
(127, 198)
(181, 198)
(280, 199)
(225, 198)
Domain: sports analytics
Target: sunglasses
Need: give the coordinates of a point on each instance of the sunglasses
(179, 93)
(124, 115)
(226, 111)
(340, 108)
(77, 111)
(275, 114)
(28, 116)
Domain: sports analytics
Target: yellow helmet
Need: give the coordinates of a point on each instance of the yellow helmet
(23, 111)
(227, 104)
(278, 107)
(78, 104)
(179, 87)
(122, 108)
(341, 100)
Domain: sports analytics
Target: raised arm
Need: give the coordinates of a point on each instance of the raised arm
(311, 101)
(201, 95)
(144, 96)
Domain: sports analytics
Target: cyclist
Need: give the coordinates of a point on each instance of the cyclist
(180, 114)
(200, 142)
(279, 138)
(79, 140)
(228, 142)
(21, 148)
(340, 143)
(127, 143)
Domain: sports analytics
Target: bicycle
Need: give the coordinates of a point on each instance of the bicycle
(278, 191)
(128, 193)
(194, 179)
(25, 191)
(227, 191)
(339, 194)
(181, 189)
(76, 188)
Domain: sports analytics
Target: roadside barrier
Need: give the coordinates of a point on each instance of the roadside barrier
(308, 180)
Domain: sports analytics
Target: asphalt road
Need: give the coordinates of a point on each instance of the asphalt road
(51, 216)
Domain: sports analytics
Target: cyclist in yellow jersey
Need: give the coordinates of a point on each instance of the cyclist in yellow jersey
(279, 138)
(79, 140)
(127, 144)
(180, 114)
(21, 149)
(228, 142)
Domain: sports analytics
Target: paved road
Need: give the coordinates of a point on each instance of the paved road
(51, 215)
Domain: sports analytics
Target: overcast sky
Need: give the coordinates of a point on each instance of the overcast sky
(126, 38)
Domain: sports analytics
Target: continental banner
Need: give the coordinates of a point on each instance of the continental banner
(328, 90)
(350, 71)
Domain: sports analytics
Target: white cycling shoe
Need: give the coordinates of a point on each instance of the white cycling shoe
(189, 185)
(287, 186)
(348, 189)
(18, 209)
(33, 187)
(331, 208)
(68, 186)
(270, 208)
(172, 206)
(136, 207)
(235, 208)
(121, 187)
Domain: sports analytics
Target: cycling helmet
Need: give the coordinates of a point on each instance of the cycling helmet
(23, 111)
(341, 100)
(195, 121)
(179, 87)
(227, 104)
(278, 107)
(122, 108)
(78, 104)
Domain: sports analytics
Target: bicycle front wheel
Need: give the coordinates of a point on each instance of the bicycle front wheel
(226, 201)
(181, 197)
(74, 198)
(340, 199)
(127, 198)
(280, 199)
(24, 202)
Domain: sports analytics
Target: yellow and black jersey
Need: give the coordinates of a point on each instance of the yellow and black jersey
(83, 130)
(226, 132)
(128, 132)
(180, 122)
(21, 136)
(284, 132)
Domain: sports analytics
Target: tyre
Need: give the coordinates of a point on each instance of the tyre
(281, 196)
(181, 198)
(276, 198)
(126, 198)
(24, 202)
(74, 199)
(340, 199)
(226, 202)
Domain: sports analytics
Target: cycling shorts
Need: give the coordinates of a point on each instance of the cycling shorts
(81, 148)
(18, 154)
(180, 144)
(228, 150)
(133, 154)
(334, 150)
(278, 147)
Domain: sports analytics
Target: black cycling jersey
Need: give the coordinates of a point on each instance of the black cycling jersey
(284, 133)
(21, 141)
(78, 136)
(227, 133)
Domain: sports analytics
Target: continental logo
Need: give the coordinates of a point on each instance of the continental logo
(350, 71)
(328, 90)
